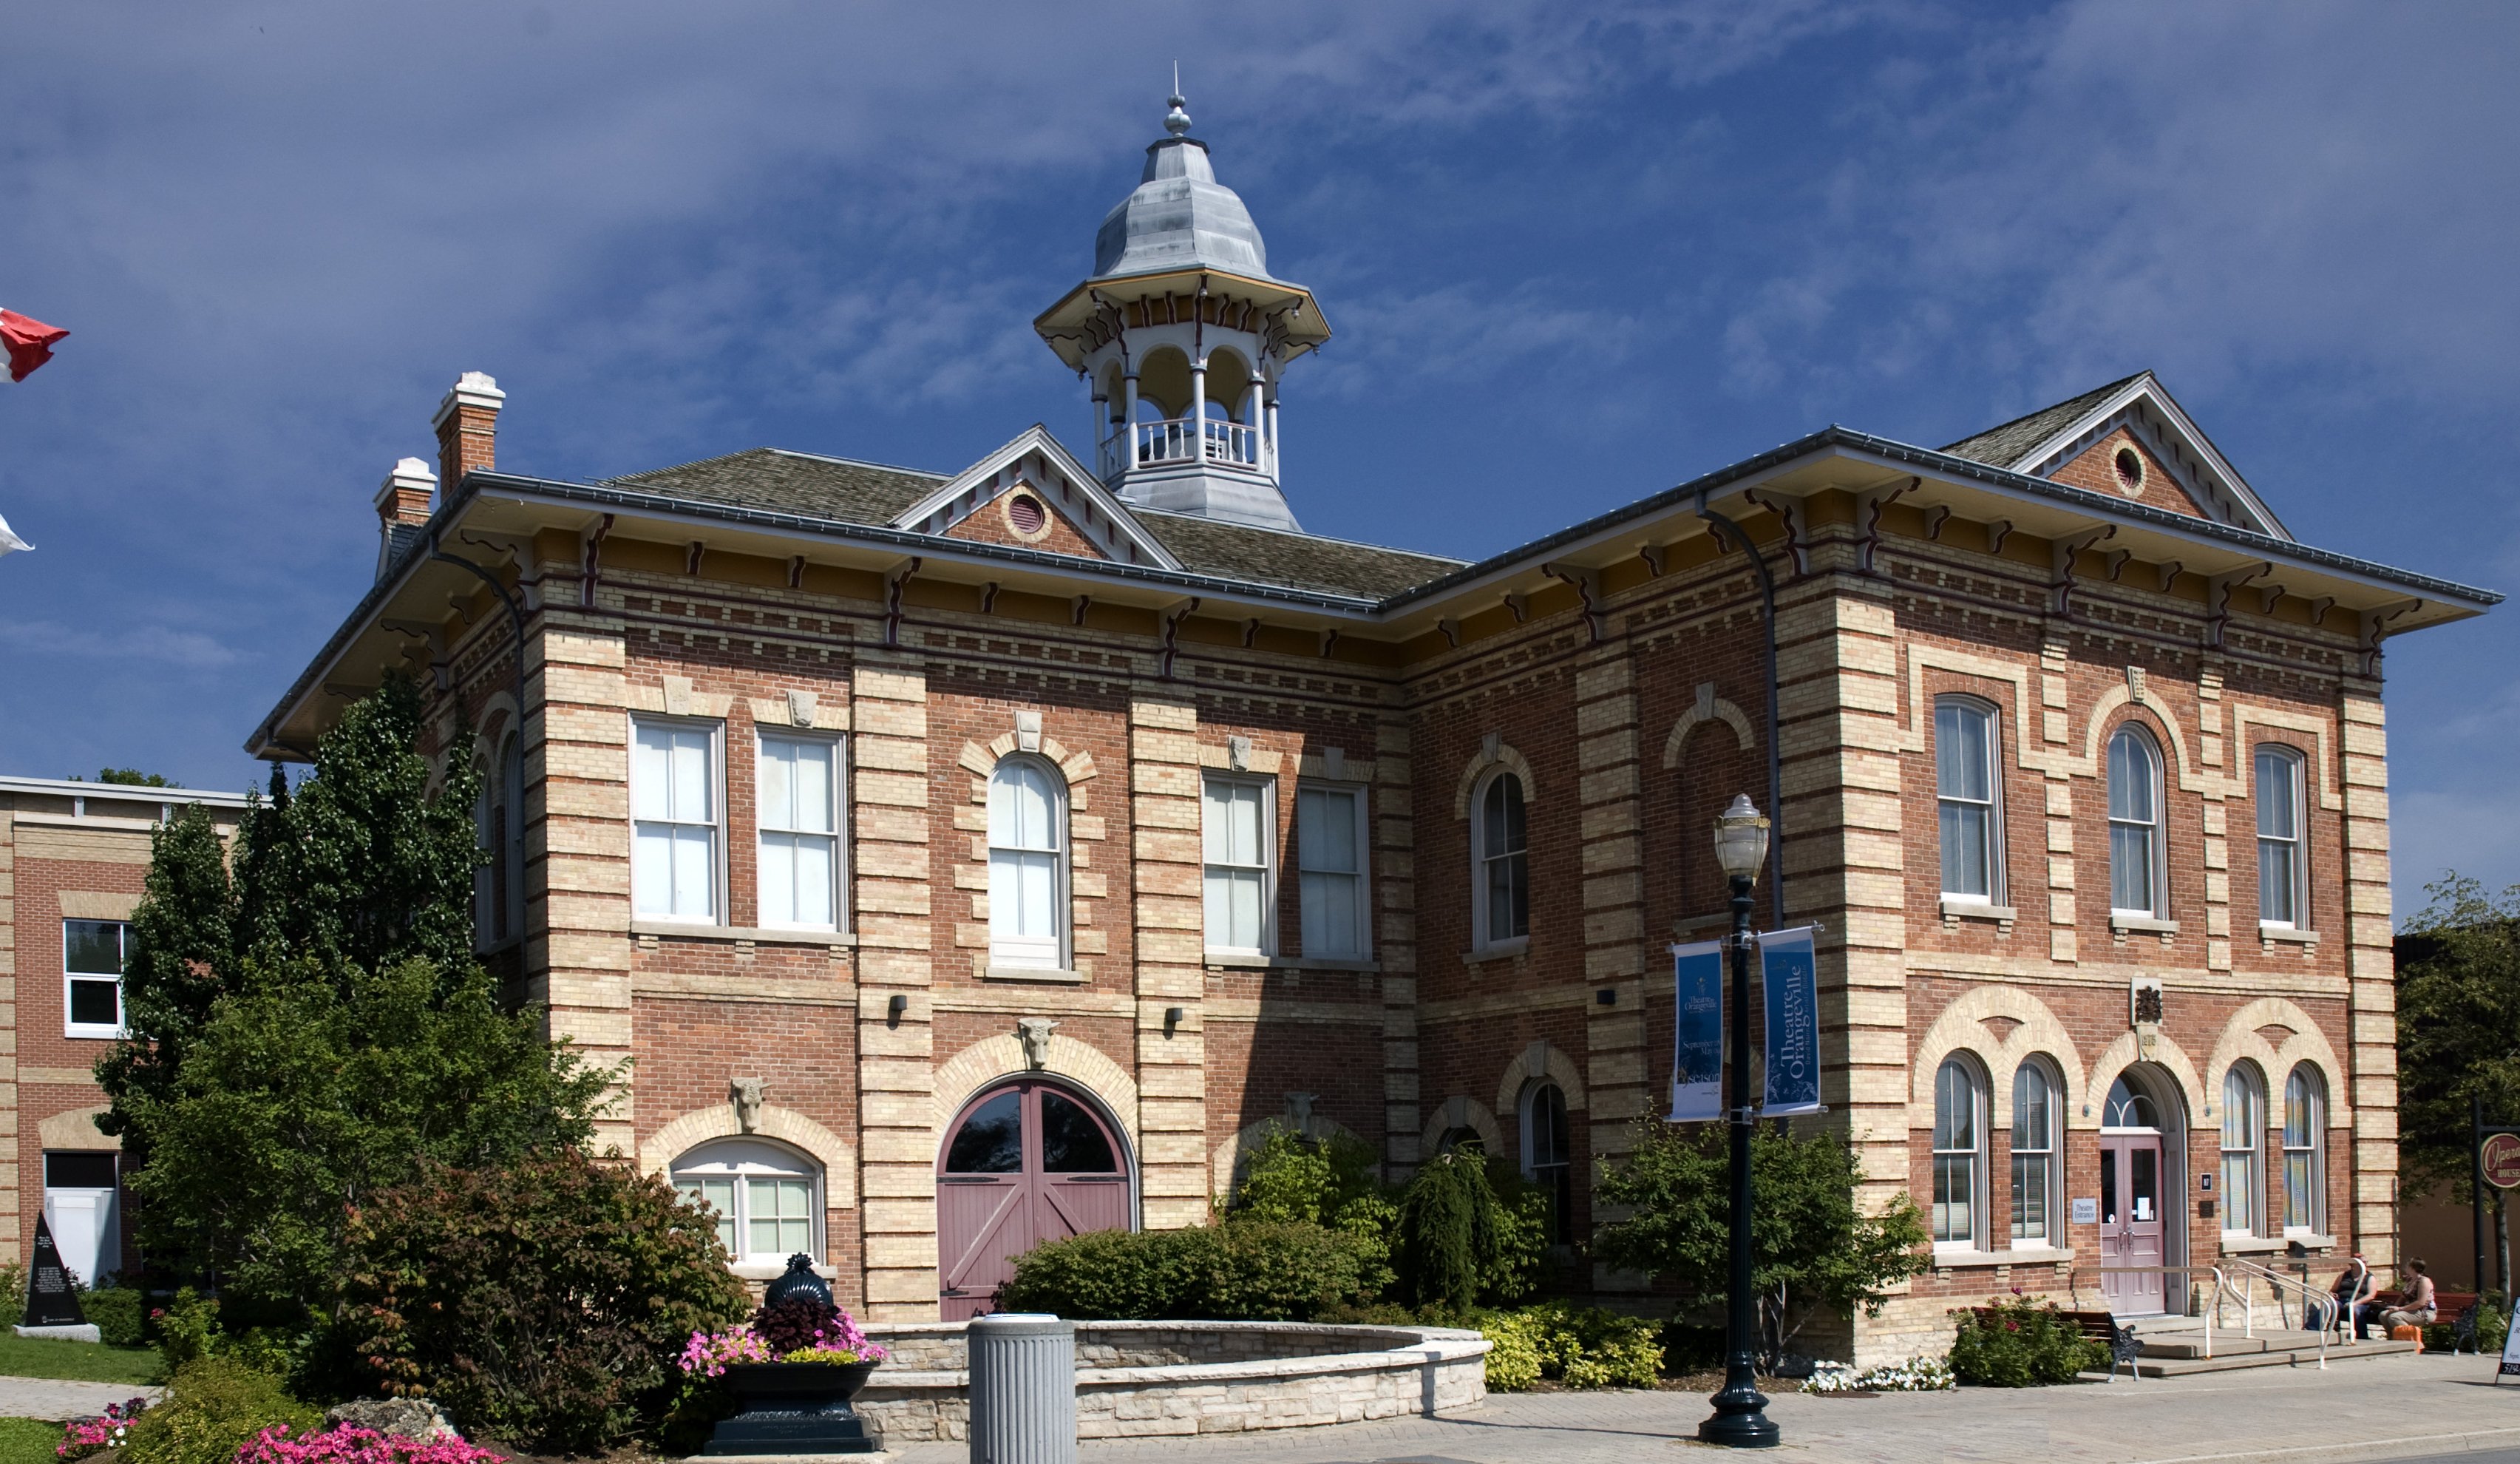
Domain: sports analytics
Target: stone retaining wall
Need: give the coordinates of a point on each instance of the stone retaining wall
(1153, 1378)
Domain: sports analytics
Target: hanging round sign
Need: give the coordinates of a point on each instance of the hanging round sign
(2500, 1160)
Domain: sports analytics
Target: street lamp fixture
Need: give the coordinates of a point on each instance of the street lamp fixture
(1740, 1419)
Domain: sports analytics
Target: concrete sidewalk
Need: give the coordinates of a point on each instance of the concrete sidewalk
(2401, 1407)
(60, 1399)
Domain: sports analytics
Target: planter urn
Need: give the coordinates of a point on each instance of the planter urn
(794, 1408)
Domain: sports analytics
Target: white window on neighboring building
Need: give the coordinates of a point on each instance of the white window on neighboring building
(94, 955)
(1238, 829)
(84, 1209)
(2038, 1116)
(1027, 864)
(2282, 894)
(1966, 752)
(2244, 1124)
(1330, 847)
(767, 1198)
(674, 857)
(1959, 1129)
(799, 801)
(2303, 1155)
(1499, 863)
(2135, 823)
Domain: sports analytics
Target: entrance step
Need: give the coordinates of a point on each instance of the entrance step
(2182, 1358)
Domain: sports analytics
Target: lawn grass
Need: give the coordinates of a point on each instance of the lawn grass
(29, 1441)
(81, 1361)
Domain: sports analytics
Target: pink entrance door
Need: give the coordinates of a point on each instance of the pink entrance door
(1023, 1164)
(2132, 1222)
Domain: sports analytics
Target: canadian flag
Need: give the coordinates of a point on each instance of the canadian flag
(29, 342)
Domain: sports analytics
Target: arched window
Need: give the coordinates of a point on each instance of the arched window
(499, 886)
(2135, 823)
(1960, 1129)
(768, 1199)
(1460, 1138)
(2281, 890)
(1501, 872)
(2305, 1168)
(2129, 1108)
(2244, 1110)
(1027, 865)
(2038, 1112)
(1965, 749)
(1548, 1159)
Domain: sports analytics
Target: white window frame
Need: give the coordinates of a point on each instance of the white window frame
(738, 1162)
(2156, 864)
(1973, 1151)
(1034, 952)
(1215, 872)
(2298, 841)
(1357, 795)
(715, 824)
(2048, 1155)
(1991, 849)
(120, 1027)
(2312, 1155)
(764, 830)
(2250, 1120)
(1481, 857)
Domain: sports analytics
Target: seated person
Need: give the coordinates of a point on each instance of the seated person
(2414, 1308)
(2342, 1298)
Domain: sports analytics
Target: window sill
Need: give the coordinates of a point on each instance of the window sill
(2292, 933)
(95, 1033)
(1503, 950)
(2310, 1241)
(1955, 908)
(1235, 960)
(1961, 1256)
(2121, 920)
(678, 929)
(1054, 976)
(2249, 1245)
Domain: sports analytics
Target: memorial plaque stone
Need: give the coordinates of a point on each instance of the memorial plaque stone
(50, 1300)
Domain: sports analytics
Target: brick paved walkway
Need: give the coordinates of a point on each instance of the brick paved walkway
(2403, 1408)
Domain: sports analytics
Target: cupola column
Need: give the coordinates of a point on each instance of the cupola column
(1199, 408)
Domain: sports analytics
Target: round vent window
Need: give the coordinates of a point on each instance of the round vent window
(2130, 466)
(1026, 513)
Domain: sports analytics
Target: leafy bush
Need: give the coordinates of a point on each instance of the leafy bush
(1687, 1347)
(542, 1303)
(1242, 1270)
(2493, 1326)
(13, 1293)
(2016, 1343)
(1461, 1241)
(1514, 1353)
(1581, 1346)
(118, 1315)
(218, 1403)
(1333, 1183)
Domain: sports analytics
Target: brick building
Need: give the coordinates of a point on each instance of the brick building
(958, 859)
(74, 858)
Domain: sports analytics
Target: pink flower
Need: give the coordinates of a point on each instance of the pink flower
(707, 1354)
(357, 1445)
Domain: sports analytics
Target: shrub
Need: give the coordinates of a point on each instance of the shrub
(117, 1315)
(357, 1445)
(1242, 1271)
(2020, 1344)
(1581, 1346)
(1330, 1182)
(1513, 1353)
(13, 1293)
(218, 1403)
(542, 1303)
(1467, 1234)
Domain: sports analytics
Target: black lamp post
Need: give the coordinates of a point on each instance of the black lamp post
(1740, 1418)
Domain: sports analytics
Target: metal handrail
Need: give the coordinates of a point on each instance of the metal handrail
(2310, 1299)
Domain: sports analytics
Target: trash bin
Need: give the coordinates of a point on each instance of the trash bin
(1023, 1389)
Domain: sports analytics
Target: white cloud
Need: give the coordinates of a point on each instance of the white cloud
(161, 645)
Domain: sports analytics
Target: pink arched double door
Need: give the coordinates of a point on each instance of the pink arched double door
(1023, 1162)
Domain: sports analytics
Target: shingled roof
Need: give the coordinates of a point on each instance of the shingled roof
(2006, 445)
(1298, 561)
(794, 483)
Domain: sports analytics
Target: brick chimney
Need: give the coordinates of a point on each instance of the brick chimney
(468, 428)
(402, 507)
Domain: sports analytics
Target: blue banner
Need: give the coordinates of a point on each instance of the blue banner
(1789, 974)
(1698, 1032)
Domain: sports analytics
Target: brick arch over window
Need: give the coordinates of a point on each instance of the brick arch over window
(2104, 722)
(1462, 1113)
(1493, 754)
(992, 1059)
(1539, 1059)
(1709, 708)
(1225, 1163)
(690, 1130)
(2243, 1038)
(2123, 1054)
(980, 760)
(1963, 1027)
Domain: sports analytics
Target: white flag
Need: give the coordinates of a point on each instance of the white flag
(9, 541)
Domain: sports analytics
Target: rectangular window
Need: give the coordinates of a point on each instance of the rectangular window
(781, 1216)
(1329, 844)
(674, 820)
(1237, 831)
(1965, 750)
(2278, 837)
(718, 1195)
(94, 955)
(800, 832)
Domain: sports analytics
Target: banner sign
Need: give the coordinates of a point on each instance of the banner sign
(2499, 1159)
(1789, 974)
(1698, 1032)
(2511, 1367)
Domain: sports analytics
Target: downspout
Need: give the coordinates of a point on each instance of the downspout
(1726, 527)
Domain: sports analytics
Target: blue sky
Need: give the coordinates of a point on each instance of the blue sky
(1572, 255)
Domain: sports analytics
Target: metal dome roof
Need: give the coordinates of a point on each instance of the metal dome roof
(1180, 217)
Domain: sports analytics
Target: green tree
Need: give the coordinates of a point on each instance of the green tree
(130, 777)
(2459, 1028)
(1469, 1233)
(1811, 1246)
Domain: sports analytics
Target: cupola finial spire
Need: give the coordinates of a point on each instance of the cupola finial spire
(1177, 121)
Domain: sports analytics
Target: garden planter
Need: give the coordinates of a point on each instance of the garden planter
(794, 1408)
